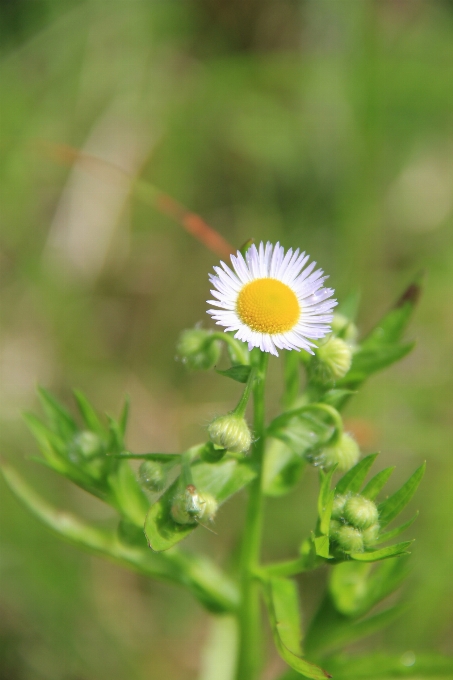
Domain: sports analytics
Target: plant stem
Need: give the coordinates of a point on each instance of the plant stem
(249, 658)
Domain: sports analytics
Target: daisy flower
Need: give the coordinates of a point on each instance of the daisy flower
(272, 300)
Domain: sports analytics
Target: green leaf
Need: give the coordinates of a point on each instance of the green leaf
(291, 377)
(353, 479)
(356, 587)
(368, 361)
(390, 535)
(282, 468)
(324, 490)
(384, 553)
(202, 578)
(377, 666)
(330, 629)
(391, 507)
(124, 417)
(322, 546)
(391, 327)
(375, 484)
(222, 480)
(50, 444)
(89, 415)
(127, 494)
(300, 430)
(240, 373)
(61, 420)
(283, 608)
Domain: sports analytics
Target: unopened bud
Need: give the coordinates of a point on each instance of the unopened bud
(344, 454)
(85, 446)
(349, 539)
(360, 512)
(153, 475)
(344, 328)
(333, 360)
(197, 349)
(209, 507)
(370, 536)
(334, 527)
(187, 506)
(338, 506)
(230, 432)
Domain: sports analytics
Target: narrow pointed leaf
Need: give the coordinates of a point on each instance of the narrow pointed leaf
(61, 420)
(282, 604)
(156, 457)
(324, 491)
(240, 373)
(390, 535)
(391, 507)
(337, 397)
(368, 361)
(375, 484)
(391, 327)
(89, 415)
(124, 417)
(384, 553)
(221, 480)
(354, 478)
(322, 546)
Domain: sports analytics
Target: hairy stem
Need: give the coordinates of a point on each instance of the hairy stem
(249, 657)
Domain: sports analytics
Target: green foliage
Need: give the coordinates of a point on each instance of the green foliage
(310, 429)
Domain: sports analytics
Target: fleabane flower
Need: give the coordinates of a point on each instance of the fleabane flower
(271, 300)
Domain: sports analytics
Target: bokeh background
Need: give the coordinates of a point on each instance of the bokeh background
(325, 124)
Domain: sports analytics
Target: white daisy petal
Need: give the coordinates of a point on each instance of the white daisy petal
(272, 300)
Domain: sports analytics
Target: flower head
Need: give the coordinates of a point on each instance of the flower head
(272, 300)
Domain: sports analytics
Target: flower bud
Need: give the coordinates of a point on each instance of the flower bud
(333, 359)
(230, 432)
(187, 506)
(338, 506)
(85, 446)
(334, 528)
(209, 507)
(153, 475)
(344, 454)
(197, 349)
(344, 328)
(360, 512)
(370, 535)
(349, 539)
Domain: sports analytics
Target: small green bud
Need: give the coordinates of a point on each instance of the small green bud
(333, 359)
(344, 328)
(230, 432)
(198, 350)
(349, 539)
(85, 446)
(187, 506)
(334, 528)
(152, 475)
(370, 535)
(338, 506)
(360, 512)
(344, 454)
(211, 453)
(209, 507)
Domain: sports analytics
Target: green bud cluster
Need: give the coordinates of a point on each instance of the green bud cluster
(354, 525)
(190, 507)
(344, 328)
(198, 349)
(230, 432)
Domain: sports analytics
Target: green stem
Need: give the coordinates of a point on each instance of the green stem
(243, 401)
(249, 658)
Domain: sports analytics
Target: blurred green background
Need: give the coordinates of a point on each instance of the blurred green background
(325, 124)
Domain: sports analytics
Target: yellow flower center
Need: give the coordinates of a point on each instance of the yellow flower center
(268, 306)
